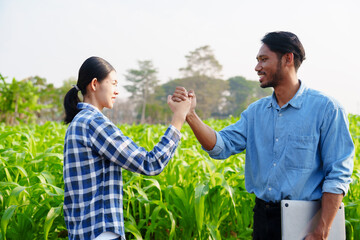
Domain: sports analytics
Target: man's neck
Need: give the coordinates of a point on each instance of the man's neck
(286, 91)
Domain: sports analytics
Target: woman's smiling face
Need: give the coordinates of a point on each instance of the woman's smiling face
(108, 91)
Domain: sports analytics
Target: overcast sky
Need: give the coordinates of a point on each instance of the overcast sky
(52, 38)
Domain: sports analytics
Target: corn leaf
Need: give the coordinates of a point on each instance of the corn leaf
(201, 191)
(52, 214)
(131, 227)
(6, 218)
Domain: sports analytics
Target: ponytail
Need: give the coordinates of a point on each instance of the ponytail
(70, 104)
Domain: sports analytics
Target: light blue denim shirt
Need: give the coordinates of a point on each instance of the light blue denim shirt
(294, 152)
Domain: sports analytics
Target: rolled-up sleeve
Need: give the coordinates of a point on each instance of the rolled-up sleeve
(217, 149)
(337, 152)
(230, 140)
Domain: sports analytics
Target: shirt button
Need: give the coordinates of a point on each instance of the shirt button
(280, 115)
(274, 164)
(277, 139)
(269, 188)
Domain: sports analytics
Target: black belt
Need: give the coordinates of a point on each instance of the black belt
(265, 204)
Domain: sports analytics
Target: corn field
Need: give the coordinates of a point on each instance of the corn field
(195, 197)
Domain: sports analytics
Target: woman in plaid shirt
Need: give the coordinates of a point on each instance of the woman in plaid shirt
(96, 150)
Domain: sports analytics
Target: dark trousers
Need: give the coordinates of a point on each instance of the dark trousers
(267, 220)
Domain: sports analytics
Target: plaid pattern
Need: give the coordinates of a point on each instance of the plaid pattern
(95, 151)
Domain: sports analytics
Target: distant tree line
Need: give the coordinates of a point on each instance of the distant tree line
(34, 100)
(31, 100)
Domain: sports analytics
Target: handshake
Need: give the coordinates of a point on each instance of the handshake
(182, 103)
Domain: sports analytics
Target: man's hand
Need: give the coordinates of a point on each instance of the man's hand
(181, 94)
(192, 96)
(315, 236)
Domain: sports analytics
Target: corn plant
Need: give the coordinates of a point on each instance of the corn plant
(31, 186)
(195, 197)
(352, 199)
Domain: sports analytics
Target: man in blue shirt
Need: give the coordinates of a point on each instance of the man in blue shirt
(297, 141)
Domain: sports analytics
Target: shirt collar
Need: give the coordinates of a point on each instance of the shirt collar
(295, 102)
(88, 106)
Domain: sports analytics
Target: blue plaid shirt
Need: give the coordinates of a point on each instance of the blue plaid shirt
(95, 151)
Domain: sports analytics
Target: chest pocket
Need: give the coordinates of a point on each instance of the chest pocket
(300, 152)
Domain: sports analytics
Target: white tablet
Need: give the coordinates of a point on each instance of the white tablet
(298, 218)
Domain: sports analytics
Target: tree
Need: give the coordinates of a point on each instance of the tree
(51, 98)
(243, 92)
(143, 81)
(45, 97)
(123, 111)
(157, 109)
(58, 95)
(202, 62)
(18, 101)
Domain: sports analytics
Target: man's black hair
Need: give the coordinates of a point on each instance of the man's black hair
(285, 42)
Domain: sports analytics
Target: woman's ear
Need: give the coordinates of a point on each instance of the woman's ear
(94, 84)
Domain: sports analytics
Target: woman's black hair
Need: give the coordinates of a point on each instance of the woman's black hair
(285, 42)
(93, 67)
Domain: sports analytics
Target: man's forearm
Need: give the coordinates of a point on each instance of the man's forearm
(330, 204)
(204, 134)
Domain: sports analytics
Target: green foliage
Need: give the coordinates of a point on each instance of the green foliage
(196, 197)
(352, 199)
(52, 98)
(18, 101)
(242, 93)
(31, 186)
(31, 99)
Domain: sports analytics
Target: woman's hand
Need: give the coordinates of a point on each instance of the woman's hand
(181, 94)
(180, 110)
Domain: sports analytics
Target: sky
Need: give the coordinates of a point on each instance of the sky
(52, 38)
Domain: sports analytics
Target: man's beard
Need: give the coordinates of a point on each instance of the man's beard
(276, 78)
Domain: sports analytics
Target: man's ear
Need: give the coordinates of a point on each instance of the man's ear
(94, 84)
(289, 58)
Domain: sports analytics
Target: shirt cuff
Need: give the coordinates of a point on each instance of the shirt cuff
(219, 146)
(173, 133)
(335, 187)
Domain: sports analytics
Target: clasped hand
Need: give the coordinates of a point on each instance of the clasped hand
(181, 94)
